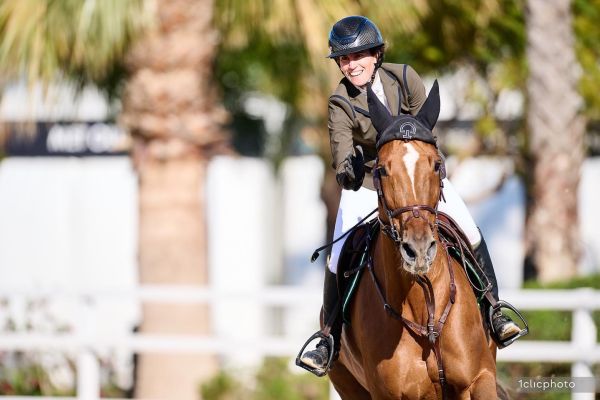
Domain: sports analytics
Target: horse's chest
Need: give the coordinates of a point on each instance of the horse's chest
(404, 378)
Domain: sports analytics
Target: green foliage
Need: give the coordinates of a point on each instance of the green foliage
(587, 30)
(24, 374)
(20, 374)
(548, 325)
(222, 387)
(482, 33)
(589, 281)
(243, 69)
(273, 381)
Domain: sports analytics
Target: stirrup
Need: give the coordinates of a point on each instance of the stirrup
(316, 371)
(500, 304)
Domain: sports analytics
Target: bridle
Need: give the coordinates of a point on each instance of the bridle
(388, 227)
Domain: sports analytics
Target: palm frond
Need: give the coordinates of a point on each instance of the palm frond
(44, 39)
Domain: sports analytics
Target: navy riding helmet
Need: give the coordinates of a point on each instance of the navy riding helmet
(353, 34)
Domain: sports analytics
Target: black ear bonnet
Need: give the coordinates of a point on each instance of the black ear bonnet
(405, 127)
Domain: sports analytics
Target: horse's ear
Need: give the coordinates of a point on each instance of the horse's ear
(380, 116)
(429, 113)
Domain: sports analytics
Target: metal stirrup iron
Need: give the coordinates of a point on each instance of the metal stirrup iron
(326, 335)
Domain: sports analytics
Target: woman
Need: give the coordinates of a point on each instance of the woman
(357, 47)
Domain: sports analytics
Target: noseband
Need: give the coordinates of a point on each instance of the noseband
(389, 228)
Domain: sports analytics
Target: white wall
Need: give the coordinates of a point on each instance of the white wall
(69, 223)
(262, 229)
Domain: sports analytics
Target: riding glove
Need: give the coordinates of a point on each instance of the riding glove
(351, 172)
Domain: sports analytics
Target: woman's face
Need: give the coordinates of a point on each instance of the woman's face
(358, 67)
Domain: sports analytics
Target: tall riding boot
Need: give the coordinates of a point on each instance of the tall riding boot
(485, 261)
(504, 327)
(319, 357)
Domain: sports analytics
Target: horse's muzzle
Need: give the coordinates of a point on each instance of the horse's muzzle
(418, 255)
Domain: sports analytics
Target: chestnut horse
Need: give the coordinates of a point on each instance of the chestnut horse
(416, 331)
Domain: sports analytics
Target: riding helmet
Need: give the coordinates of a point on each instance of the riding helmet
(353, 34)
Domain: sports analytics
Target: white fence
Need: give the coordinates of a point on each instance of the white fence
(582, 351)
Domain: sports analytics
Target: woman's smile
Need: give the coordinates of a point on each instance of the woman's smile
(358, 67)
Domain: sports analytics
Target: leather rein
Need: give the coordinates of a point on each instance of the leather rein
(433, 330)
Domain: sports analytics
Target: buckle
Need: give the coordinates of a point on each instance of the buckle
(316, 371)
(507, 342)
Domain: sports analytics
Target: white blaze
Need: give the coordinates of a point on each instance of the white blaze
(410, 160)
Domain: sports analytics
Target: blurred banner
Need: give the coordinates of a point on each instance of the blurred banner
(65, 139)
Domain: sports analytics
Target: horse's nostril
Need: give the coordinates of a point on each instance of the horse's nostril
(408, 250)
(432, 250)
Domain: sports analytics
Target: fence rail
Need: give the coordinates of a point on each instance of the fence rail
(582, 351)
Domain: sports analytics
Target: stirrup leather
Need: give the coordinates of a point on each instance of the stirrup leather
(316, 371)
(495, 335)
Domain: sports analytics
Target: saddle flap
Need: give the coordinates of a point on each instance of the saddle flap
(353, 259)
(461, 250)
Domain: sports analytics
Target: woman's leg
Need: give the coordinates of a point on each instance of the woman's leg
(455, 207)
(353, 207)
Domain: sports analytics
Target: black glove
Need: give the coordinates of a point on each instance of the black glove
(351, 172)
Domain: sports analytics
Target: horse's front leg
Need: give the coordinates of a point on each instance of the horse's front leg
(346, 385)
(483, 387)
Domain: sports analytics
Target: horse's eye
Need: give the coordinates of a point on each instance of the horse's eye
(382, 171)
(437, 165)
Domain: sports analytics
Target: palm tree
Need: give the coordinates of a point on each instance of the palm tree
(556, 130)
(171, 108)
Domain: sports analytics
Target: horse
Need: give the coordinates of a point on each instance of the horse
(415, 329)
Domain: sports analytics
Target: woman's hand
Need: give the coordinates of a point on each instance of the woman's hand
(351, 172)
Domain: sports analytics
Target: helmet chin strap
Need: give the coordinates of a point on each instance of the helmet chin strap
(377, 65)
(373, 76)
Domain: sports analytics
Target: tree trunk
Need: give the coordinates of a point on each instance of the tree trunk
(556, 129)
(172, 251)
(171, 109)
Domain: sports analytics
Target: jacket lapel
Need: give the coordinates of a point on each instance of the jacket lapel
(390, 88)
(358, 99)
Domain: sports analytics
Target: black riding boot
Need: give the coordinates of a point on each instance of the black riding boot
(504, 327)
(319, 357)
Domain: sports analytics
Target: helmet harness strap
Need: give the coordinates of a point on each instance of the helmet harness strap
(378, 63)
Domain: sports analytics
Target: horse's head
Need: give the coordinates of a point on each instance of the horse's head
(407, 176)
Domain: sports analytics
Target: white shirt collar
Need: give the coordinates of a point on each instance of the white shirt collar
(378, 90)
